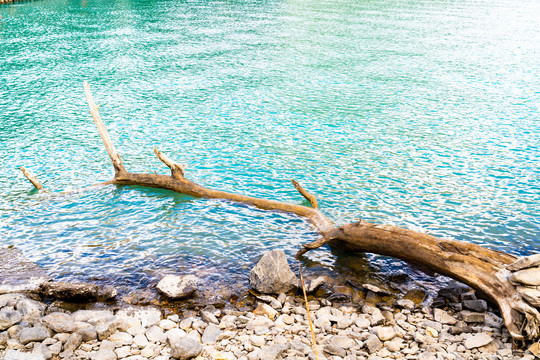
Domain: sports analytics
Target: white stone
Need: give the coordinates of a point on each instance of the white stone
(178, 287)
(477, 340)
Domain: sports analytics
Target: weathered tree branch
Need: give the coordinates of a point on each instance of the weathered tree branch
(483, 269)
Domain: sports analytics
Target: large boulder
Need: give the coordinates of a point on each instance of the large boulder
(272, 274)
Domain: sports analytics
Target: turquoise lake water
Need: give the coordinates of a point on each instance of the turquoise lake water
(421, 114)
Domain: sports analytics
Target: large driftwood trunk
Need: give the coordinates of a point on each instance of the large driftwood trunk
(481, 268)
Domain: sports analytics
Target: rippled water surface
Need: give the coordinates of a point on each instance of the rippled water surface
(422, 114)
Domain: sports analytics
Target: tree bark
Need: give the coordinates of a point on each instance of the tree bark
(481, 268)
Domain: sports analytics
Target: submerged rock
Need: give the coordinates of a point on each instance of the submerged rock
(77, 291)
(272, 274)
(19, 273)
(178, 287)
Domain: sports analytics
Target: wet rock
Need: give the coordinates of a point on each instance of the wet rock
(376, 289)
(477, 340)
(475, 305)
(272, 274)
(9, 318)
(314, 284)
(525, 262)
(59, 322)
(76, 291)
(472, 317)
(416, 295)
(186, 348)
(405, 304)
(452, 293)
(266, 310)
(178, 287)
(141, 297)
(19, 273)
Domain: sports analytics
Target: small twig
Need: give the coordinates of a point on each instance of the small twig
(313, 342)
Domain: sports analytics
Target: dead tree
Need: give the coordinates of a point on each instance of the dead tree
(486, 270)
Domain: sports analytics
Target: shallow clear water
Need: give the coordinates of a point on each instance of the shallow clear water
(422, 114)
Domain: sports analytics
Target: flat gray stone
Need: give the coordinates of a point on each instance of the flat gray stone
(443, 317)
(332, 349)
(73, 342)
(8, 318)
(103, 354)
(373, 344)
(272, 274)
(38, 333)
(475, 305)
(529, 276)
(19, 355)
(19, 273)
(272, 352)
(76, 291)
(525, 262)
(59, 322)
(30, 309)
(210, 334)
(472, 317)
(186, 348)
(155, 334)
(477, 340)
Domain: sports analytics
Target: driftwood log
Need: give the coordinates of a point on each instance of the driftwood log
(486, 270)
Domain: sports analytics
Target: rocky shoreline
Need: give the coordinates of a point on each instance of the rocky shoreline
(277, 328)
(354, 321)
